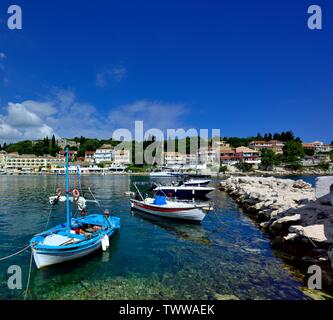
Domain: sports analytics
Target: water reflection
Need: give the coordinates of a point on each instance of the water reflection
(184, 231)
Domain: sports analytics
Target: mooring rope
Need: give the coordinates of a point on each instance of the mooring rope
(15, 254)
(28, 283)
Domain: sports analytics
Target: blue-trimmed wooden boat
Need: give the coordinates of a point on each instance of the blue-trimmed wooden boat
(74, 239)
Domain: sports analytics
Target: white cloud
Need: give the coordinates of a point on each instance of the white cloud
(40, 108)
(101, 80)
(63, 115)
(19, 116)
(116, 74)
(2, 56)
(8, 132)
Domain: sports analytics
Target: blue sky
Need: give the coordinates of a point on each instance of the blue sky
(89, 67)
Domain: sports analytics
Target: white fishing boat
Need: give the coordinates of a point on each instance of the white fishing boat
(160, 206)
(163, 207)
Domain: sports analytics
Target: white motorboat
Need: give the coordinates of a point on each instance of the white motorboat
(160, 174)
(184, 192)
(197, 182)
(160, 206)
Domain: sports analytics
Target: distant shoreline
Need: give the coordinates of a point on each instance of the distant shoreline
(215, 176)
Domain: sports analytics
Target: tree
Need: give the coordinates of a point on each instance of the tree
(223, 169)
(53, 142)
(244, 167)
(309, 152)
(331, 155)
(269, 159)
(293, 151)
(259, 137)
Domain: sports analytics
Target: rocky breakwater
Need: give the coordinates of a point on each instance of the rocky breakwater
(299, 223)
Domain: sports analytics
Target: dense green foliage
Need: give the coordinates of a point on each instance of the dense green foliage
(294, 166)
(244, 167)
(309, 152)
(323, 166)
(284, 136)
(38, 148)
(269, 159)
(223, 169)
(293, 151)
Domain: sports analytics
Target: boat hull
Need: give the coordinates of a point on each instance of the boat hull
(47, 255)
(44, 259)
(190, 214)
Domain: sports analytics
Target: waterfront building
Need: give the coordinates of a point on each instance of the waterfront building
(208, 155)
(30, 162)
(174, 159)
(121, 157)
(103, 154)
(231, 156)
(90, 156)
(275, 145)
(318, 146)
(191, 159)
(71, 154)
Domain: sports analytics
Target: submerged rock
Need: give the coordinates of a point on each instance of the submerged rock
(218, 296)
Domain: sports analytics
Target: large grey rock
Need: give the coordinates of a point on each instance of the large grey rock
(314, 232)
(323, 185)
(287, 220)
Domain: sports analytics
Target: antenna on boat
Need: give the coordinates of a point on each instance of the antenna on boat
(67, 193)
(137, 189)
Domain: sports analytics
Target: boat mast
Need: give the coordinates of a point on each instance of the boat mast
(67, 193)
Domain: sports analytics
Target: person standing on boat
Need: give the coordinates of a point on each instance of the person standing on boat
(80, 202)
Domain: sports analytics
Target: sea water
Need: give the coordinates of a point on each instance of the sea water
(227, 255)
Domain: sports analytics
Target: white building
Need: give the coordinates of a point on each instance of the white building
(89, 156)
(121, 157)
(208, 155)
(30, 162)
(318, 146)
(275, 145)
(174, 159)
(103, 154)
(191, 159)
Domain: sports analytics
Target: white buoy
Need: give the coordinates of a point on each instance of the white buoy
(107, 242)
(103, 242)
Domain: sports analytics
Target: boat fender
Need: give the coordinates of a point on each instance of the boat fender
(105, 243)
(76, 193)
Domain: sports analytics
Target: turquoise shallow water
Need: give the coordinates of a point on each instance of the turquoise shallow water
(148, 259)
